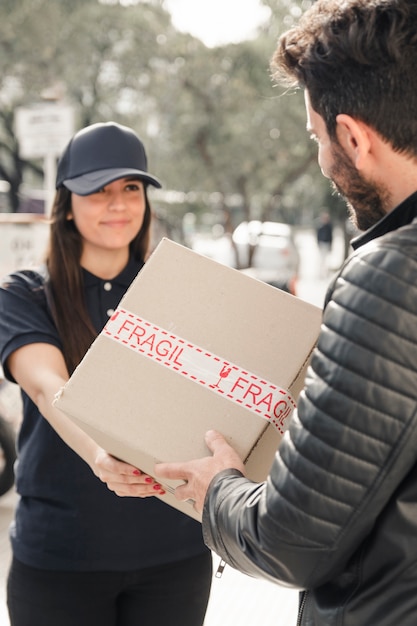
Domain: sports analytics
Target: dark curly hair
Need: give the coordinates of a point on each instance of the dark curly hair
(357, 57)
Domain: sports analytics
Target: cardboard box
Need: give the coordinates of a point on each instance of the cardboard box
(193, 345)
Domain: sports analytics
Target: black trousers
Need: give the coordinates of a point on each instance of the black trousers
(175, 594)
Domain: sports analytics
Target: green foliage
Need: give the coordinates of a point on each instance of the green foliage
(212, 120)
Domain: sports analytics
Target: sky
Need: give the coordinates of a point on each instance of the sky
(218, 22)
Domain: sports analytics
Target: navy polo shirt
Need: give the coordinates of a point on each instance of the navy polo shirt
(66, 518)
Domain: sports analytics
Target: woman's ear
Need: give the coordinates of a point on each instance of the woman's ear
(355, 139)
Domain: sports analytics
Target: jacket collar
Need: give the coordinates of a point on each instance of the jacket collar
(402, 215)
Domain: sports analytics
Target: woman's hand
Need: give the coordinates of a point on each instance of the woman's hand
(124, 479)
(40, 370)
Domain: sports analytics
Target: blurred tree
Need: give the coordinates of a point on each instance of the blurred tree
(245, 135)
(95, 55)
(234, 132)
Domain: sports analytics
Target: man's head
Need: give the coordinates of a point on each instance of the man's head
(357, 57)
(367, 200)
(356, 60)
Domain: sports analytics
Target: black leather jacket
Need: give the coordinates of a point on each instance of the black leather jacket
(338, 514)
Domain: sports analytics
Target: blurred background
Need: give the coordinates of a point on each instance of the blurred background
(193, 80)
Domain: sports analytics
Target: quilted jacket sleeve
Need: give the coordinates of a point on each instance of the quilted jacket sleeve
(352, 442)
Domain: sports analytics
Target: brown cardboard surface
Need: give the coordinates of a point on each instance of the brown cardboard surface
(143, 412)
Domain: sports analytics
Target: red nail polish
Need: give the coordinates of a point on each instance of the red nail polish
(136, 472)
(157, 487)
(148, 480)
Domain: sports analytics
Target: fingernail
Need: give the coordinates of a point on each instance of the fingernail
(136, 472)
(148, 480)
(157, 487)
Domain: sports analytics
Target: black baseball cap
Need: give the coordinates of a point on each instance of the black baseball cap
(99, 154)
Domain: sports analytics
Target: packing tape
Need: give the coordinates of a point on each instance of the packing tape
(202, 367)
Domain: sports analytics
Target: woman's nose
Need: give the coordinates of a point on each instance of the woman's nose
(116, 202)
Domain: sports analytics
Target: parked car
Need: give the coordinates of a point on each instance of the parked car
(268, 252)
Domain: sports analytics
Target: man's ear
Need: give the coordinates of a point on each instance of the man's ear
(354, 137)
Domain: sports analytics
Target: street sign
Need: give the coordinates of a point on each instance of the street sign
(44, 129)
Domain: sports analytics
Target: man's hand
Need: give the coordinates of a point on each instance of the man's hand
(199, 473)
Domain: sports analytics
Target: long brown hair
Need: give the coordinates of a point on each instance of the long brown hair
(65, 287)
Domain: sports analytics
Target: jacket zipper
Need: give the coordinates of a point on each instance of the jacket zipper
(220, 569)
(301, 608)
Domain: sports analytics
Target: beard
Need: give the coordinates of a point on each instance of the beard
(367, 201)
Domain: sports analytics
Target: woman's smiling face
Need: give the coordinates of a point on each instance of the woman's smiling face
(110, 218)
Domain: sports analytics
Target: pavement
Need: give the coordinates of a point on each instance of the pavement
(235, 598)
